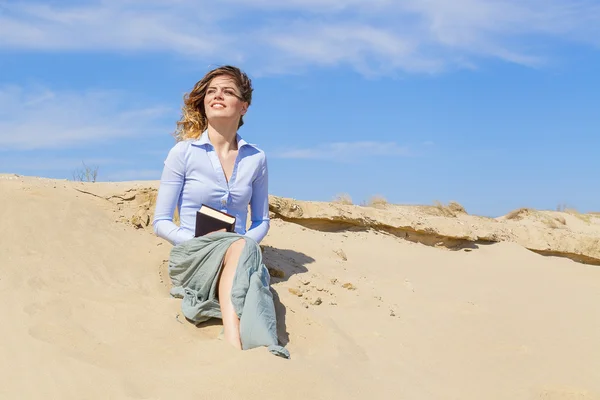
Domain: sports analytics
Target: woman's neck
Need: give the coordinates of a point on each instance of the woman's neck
(223, 136)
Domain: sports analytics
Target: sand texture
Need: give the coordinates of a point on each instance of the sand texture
(394, 302)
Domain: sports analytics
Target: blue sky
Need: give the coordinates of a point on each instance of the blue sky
(494, 104)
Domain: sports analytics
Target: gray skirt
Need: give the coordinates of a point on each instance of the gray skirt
(194, 268)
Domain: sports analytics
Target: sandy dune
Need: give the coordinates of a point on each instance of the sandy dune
(393, 303)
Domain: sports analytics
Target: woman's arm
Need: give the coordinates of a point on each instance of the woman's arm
(259, 205)
(171, 184)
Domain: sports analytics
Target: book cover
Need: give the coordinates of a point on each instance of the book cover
(209, 219)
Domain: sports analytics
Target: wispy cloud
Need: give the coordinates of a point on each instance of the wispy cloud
(345, 151)
(374, 37)
(38, 118)
(106, 26)
(50, 162)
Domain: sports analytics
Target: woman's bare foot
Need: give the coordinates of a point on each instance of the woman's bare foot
(231, 322)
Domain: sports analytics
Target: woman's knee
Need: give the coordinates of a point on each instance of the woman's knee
(235, 250)
(239, 244)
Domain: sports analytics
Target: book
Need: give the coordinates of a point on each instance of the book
(209, 219)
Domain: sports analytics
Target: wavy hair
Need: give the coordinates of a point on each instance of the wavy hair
(193, 116)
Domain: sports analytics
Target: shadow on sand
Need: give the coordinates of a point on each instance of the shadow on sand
(282, 264)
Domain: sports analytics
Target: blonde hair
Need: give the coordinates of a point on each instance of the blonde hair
(193, 116)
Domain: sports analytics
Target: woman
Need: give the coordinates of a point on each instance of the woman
(211, 164)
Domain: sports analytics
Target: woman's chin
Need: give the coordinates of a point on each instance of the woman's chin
(221, 117)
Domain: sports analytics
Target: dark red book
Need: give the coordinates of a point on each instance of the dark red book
(209, 219)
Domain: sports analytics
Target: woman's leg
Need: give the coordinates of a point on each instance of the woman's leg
(231, 323)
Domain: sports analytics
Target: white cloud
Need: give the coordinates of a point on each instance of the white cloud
(376, 36)
(38, 118)
(49, 162)
(106, 26)
(345, 151)
(369, 49)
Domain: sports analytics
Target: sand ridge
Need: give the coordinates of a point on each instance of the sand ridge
(364, 312)
(565, 234)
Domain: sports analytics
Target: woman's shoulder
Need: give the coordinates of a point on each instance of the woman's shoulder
(255, 150)
(177, 156)
(183, 144)
(180, 148)
(258, 155)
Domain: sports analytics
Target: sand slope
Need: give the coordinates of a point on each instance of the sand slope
(365, 313)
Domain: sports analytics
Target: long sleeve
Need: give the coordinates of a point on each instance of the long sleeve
(171, 184)
(259, 205)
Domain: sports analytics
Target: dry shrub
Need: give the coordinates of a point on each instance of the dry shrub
(343, 198)
(457, 207)
(520, 213)
(584, 217)
(451, 210)
(86, 174)
(572, 211)
(443, 210)
(555, 222)
(377, 202)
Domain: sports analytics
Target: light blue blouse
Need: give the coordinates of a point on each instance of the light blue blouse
(192, 176)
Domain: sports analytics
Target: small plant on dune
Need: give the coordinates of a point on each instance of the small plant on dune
(457, 207)
(563, 207)
(519, 213)
(451, 210)
(584, 217)
(86, 174)
(343, 198)
(555, 222)
(377, 202)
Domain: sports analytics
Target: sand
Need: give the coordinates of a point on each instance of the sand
(366, 310)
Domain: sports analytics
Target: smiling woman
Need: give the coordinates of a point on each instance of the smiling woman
(212, 165)
(230, 82)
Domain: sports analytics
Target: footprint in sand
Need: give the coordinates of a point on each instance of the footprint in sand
(163, 273)
(37, 283)
(33, 309)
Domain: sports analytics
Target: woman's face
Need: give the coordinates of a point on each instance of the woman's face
(223, 99)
